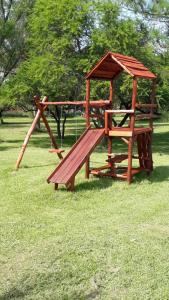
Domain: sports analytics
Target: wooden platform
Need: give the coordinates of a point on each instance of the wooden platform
(127, 132)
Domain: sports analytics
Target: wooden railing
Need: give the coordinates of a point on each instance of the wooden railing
(109, 113)
(146, 105)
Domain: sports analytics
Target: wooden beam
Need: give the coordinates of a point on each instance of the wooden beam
(146, 105)
(133, 105)
(87, 103)
(130, 154)
(87, 113)
(29, 133)
(111, 92)
(152, 98)
(48, 127)
(120, 111)
(122, 65)
(94, 103)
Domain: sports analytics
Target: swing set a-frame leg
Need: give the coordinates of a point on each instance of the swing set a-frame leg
(48, 128)
(39, 114)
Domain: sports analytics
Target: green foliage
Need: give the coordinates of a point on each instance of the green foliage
(13, 33)
(66, 38)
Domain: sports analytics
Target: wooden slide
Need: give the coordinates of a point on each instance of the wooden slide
(74, 160)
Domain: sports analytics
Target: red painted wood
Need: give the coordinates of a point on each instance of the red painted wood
(102, 73)
(74, 160)
(56, 150)
(119, 55)
(109, 66)
(87, 113)
(146, 74)
(97, 103)
(131, 65)
(77, 157)
(112, 63)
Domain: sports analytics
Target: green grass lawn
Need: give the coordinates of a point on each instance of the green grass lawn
(106, 241)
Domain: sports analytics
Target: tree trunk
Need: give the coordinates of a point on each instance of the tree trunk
(58, 121)
(57, 115)
(1, 117)
(63, 125)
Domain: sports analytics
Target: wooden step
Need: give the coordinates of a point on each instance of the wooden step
(116, 158)
(56, 150)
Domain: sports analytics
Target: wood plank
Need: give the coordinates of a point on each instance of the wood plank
(146, 116)
(74, 161)
(85, 151)
(120, 111)
(112, 68)
(73, 158)
(120, 133)
(139, 67)
(56, 150)
(122, 65)
(107, 74)
(146, 105)
(119, 55)
(89, 75)
(146, 74)
(93, 103)
(124, 59)
(72, 149)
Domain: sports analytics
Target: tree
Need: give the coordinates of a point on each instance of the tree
(13, 18)
(65, 40)
(57, 55)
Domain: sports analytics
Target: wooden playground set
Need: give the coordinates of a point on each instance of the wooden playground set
(107, 69)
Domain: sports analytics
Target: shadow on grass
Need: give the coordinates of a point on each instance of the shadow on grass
(16, 293)
(161, 142)
(36, 166)
(27, 290)
(159, 174)
(15, 124)
(94, 184)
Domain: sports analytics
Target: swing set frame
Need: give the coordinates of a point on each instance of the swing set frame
(41, 107)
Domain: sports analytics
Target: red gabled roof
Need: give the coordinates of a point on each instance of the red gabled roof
(114, 63)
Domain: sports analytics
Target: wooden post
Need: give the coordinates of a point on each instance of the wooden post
(71, 185)
(134, 98)
(152, 99)
(29, 133)
(87, 114)
(111, 93)
(110, 117)
(129, 171)
(131, 140)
